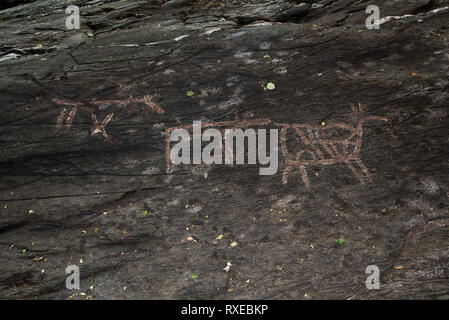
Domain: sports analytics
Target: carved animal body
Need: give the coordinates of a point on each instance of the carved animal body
(323, 150)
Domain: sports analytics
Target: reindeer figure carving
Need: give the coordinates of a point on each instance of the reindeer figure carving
(322, 149)
(91, 106)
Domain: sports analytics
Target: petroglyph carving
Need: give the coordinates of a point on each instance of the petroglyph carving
(93, 105)
(318, 145)
(322, 150)
(69, 118)
(100, 128)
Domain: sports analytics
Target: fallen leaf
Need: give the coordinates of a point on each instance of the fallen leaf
(190, 93)
(219, 237)
(234, 244)
(228, 266)
(270, 86)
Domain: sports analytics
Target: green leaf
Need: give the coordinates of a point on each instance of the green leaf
(194, 276)
(234, 244)
(267, 56)
(270, 86)
(219, 237)
(340, 241)
(144, 213)
(190, 93)
(90, 33)
(38, 259)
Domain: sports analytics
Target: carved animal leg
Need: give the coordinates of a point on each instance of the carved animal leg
(305, 179)
(61, 118)
(69, 118)
(356, 173)
(286, 173)
(152, 106)
(364, 169)
(100, 128)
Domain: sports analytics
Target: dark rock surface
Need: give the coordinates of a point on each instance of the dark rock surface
(96, 193)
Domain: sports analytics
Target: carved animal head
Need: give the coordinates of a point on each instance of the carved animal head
(359, 111)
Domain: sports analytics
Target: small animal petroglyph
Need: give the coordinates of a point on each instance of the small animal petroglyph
(92, 106)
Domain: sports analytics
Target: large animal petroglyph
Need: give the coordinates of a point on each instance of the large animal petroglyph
(323, 150)
(321, 145)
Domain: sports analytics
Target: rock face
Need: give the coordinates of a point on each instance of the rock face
(85, 178)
